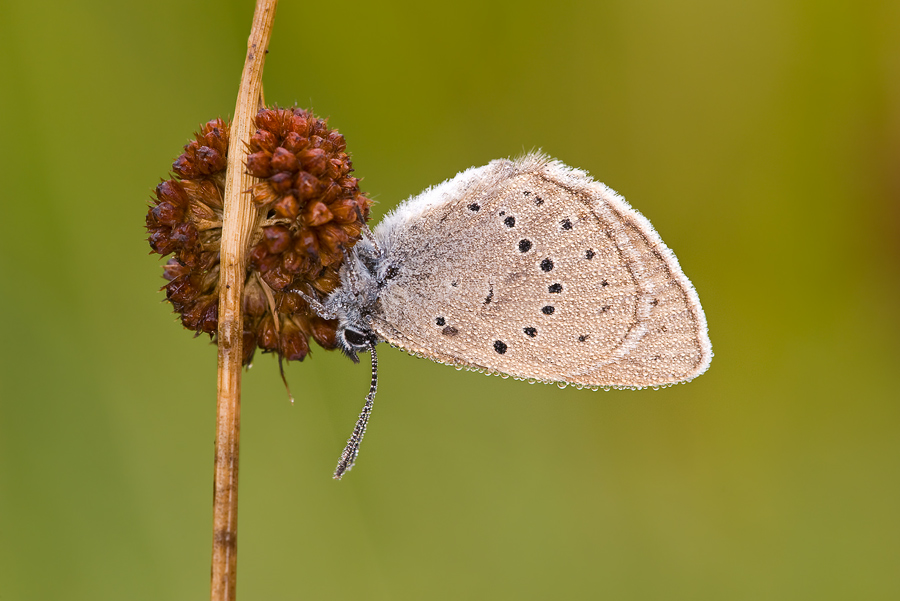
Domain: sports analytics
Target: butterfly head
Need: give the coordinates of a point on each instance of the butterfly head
(352, 302)
(354, 341)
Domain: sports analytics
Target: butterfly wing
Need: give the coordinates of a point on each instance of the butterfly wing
(532, 269)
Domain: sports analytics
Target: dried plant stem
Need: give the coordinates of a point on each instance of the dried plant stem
(239, 220)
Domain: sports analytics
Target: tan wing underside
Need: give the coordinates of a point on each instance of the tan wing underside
(623, 314)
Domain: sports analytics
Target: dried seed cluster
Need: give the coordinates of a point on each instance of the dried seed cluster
(311, 212)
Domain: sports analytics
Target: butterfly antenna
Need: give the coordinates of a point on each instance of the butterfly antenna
(348, 457)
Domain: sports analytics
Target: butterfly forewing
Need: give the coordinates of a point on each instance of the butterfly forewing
(532, 269)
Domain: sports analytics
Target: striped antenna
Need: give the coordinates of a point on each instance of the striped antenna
(348, 457)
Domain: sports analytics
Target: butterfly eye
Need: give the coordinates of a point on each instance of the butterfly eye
(355, 338)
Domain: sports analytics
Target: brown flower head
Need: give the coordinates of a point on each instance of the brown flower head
(311, 212)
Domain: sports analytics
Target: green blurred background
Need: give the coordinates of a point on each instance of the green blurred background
(761, 138)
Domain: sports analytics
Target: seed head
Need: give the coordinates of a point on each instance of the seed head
(311, 213)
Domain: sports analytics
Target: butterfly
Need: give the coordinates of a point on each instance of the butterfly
(522, 267)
